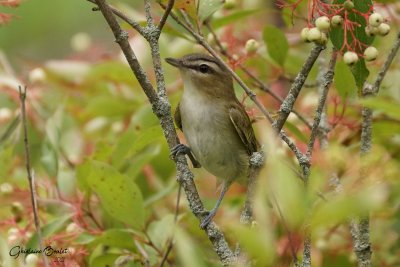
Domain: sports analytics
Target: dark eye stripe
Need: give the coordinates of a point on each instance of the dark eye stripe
(197, 67)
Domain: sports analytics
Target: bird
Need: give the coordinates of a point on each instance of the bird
(215, 124)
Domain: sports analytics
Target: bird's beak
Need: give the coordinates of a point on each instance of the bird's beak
(174, 62)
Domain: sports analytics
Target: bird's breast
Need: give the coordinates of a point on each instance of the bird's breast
(212, 137)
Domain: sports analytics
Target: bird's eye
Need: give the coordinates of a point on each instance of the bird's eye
(203, 68)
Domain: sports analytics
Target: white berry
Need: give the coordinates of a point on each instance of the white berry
(304, 34)
(72, 228)
(371, 31)
(37, 75)
(383, 29)
(314, 34)
(323, 23)
(348, 5)
(350, 58)
(32, 260)
(323, 40)
(375, 19)
(251, 46)
(336, 20)
(371, 53)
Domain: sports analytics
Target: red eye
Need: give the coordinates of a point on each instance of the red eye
(203, 68)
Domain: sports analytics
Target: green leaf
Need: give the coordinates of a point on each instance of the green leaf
(208, 7)
(49, 229)
(114, 71)
(49, 158)
(109, 106)
(384, 105)
(360, 73)
(82, 172)
(344, 80)
(104, 260)
(161, 231)
(118, 238)
(337, 35)
(277, 44)
(146, 137)
(295, 131)
(119, 195)
(232, 18)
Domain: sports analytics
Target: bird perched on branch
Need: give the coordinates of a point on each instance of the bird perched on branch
(216, 126)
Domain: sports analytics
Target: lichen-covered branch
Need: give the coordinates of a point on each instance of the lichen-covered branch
(161, 108)
(287, 105)
(305, 165)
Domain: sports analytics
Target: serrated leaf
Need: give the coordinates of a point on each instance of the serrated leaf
(337, 35)
(277, 44)
(344, 80)
(119, 195)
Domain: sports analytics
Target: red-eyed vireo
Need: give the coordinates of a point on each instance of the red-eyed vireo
(214, 122)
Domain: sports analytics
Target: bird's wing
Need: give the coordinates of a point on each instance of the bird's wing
(177, 117)
(242, 124)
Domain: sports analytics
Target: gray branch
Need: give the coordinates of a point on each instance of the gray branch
(288, 103)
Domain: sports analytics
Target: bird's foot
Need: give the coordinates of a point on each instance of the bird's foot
(185, 150)
(180, 149)
(206, 220)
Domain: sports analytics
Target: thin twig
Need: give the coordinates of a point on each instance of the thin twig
(171, 240)
(147, 10)
(31, 177)
(327, 81)
(325, 85)
(134, 24)
(258, 82)
(388, 62)
(288, 103)
(166, 14)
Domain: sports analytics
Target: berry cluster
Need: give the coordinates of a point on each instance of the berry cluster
(322, 17)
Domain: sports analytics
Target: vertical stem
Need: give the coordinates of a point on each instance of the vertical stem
(31, 177)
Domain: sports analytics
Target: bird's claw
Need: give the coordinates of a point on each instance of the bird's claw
(185, 150)
(180, 149)
(206, 220)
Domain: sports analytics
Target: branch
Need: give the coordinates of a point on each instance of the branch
(161, 108)
(288, 103)
(171, 240)
(327, 81)
(134, 24)
(166, 14)
(359, 228)
(388, 62)
(325, 85)
(31, 177)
